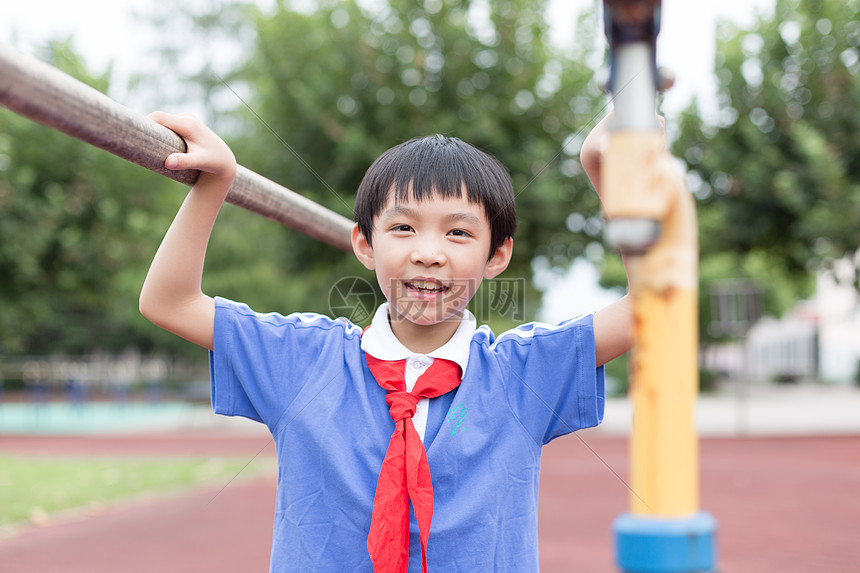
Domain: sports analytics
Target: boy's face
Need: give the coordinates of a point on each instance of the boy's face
(430, 257)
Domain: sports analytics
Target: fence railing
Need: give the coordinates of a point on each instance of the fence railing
(96, 373)
(44, 94)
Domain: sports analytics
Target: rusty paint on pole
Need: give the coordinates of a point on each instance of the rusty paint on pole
(46, 95)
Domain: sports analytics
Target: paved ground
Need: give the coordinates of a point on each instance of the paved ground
(784, 502)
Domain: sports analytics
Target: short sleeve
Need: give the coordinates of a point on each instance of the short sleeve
(260, 362)
(551, 378)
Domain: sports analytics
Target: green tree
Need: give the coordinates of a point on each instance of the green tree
(778, 176)
(77, 229)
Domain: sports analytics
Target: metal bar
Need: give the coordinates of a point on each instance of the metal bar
(48, 96)
(631, 27)
(634, 97)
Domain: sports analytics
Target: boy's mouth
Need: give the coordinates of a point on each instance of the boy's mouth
(425, 286)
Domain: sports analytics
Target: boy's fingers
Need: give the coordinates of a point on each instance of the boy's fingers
(181, 161)
(173, 161)
(206, 151)
(183, 124)
(199, 161)
(165, 119)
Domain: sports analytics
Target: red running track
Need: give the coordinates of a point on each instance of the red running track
(783, 505)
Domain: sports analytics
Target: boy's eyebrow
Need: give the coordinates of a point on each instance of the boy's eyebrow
(399, 210)
(455, 217)
(463, 217)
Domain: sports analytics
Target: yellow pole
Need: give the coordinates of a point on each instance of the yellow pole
(651, 215)
(644, 182)
(646, 197)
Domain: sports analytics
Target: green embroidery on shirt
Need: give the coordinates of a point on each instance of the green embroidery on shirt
(456, 415)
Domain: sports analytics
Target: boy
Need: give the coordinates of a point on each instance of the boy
(361, 420)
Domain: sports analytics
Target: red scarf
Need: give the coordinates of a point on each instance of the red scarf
(405, 474)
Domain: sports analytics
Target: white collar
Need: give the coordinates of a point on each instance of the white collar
(379, 340)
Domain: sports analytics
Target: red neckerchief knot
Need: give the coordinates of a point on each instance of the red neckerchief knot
(405, 474)
(401, 404)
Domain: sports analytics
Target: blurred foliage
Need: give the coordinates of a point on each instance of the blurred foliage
(77, 230)
(778, 175)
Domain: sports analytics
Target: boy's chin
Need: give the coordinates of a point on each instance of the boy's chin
(432, 319)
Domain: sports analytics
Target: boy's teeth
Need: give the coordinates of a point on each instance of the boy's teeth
(425, 285)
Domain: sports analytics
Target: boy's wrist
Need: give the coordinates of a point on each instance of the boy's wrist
(213, 183)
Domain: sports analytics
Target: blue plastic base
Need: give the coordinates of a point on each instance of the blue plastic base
(665, 545)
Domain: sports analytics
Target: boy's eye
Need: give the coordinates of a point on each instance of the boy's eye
(460, 233)
(403, 228)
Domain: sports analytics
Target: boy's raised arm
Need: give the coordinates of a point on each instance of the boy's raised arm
(172, 297)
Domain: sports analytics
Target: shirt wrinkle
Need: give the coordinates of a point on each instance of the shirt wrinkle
(506, 376)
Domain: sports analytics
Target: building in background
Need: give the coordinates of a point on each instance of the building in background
(818, 341)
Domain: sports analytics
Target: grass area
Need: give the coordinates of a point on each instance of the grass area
(33, 488)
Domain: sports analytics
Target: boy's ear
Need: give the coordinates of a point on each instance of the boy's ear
(500, 259)
(361, 247)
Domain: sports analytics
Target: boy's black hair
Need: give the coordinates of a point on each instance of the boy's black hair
(443, 166)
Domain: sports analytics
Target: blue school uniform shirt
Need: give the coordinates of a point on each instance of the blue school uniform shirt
(306, 378)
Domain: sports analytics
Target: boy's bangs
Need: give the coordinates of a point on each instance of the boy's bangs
(443, 167)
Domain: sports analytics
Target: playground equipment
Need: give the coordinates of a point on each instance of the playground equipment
(652, 220)
(44, 94)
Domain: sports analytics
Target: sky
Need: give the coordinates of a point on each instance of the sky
(111, 31)
(685, 44)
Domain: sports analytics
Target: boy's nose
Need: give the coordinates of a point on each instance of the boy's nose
(428, 252)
